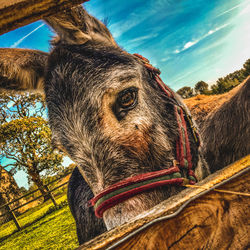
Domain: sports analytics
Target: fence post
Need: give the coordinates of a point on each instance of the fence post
(14, 218)
(51, 195)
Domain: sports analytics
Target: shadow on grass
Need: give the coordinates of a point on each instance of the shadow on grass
(49, 211)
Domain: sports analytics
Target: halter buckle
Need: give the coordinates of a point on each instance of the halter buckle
(175, 163)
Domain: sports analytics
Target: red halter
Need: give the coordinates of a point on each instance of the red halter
(131, 186)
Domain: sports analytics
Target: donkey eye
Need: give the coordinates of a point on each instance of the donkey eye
(127, 98)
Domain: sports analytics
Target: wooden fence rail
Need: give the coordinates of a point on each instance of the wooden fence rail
(196, 218)
(11, 211)
(17, 13)
(34, 191)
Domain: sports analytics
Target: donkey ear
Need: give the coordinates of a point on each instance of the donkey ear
(22, 69)
(76, 26)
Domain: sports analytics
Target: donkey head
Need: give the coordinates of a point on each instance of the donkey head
(105, 109)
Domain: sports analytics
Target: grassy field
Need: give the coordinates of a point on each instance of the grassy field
(44, 227)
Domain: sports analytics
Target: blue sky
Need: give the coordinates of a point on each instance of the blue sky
(189, 40)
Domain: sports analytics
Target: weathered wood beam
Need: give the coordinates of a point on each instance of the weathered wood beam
(17, 13)
(209, 219)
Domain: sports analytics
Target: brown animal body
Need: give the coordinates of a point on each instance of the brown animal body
(224, 124)
(201, 106)
(112, 119)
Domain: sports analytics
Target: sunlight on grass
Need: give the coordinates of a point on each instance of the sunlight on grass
(55, 230)
(30, 216)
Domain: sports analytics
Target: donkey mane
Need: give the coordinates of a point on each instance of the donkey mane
(109, 115)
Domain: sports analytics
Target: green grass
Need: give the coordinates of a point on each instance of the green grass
(43, 228)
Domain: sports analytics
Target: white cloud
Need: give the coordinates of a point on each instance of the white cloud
(134, 19)
(192, 43)
(143, 38)
(218, 28)
(14, 45)
(186, 46)
(117, 29)
(138, 16)
(165, 59)
(229, 10)
(139, 41)
(210, 32)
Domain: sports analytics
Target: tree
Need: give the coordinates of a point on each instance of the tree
(201, 87)
(25, 138)
(185, 92)
(224, 85)
(21, 105)
(9, 191)
(246, 68)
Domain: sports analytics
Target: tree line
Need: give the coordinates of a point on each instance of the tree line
(223, 84)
